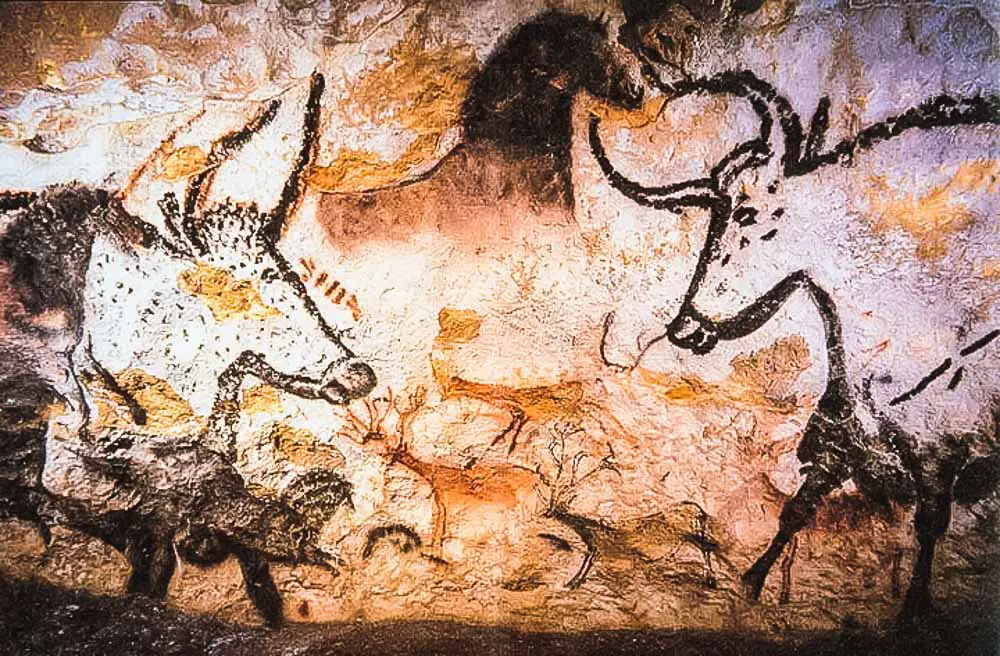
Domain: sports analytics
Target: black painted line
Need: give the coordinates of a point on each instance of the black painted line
(981, 342)
(922, 385)
(956, 378)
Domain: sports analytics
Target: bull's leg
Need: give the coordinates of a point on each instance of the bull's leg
(796, 515)
(260, 587)
(151, 556)
(931, 521)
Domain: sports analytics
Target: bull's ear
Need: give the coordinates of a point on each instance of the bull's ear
(749, 165)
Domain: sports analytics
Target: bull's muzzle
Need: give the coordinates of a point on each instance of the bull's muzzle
(347, 380)
(691, 333)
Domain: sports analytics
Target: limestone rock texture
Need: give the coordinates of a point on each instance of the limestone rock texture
(534, 453)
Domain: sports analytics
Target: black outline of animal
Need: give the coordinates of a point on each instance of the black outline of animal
(49, 238)
(834, 445)
(206, 517)
(48, 242)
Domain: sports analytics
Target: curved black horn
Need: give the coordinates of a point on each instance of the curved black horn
(765, 101)
(693, 193)
(310, 142)
(222, 149)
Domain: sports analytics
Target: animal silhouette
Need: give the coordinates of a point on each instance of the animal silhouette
(87, 278)
(517, 131)
(904, 421)
(186, 501)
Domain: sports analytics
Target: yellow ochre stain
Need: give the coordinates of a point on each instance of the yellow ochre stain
(182, 163)
(457, 325)
(991, 268)
(225, 296)
(761, 379)
(423, 90)
(301, 447)
(932, 217)
(167, 413)
(260, 399)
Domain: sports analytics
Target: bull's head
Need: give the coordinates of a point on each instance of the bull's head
(237, 243)
(743, 194)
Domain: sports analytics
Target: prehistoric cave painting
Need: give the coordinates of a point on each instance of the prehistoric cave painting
(537, 404)
(639, 541)
(516, 122)
(186, 501)
(899, 432)
(461, 492)
(77, 262)
(663, 34)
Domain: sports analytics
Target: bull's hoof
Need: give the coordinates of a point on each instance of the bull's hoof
(753, 584)
(918, 610)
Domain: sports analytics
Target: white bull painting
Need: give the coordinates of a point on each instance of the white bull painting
(911, 409)
(191, 303)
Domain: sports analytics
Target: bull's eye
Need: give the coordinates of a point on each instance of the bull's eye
(745, 216)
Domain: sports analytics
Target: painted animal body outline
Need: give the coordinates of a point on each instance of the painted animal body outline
(195, 232)
(517, 125)
(836, 444)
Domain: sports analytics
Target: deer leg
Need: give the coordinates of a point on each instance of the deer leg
(581, 528)
(439, 523)
(797, 513)
(153, 562)
(517, 422)
(585, 567)
(260, 587)
(711, 581)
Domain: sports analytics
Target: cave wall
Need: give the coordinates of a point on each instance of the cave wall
(532, 450)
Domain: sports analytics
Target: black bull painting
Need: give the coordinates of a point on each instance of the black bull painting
(878, 426)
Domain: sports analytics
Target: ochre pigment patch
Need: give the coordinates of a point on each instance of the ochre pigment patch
(457, 325)
(991, 268)
(422, 89)
(303, 448)
(933, 217)
(183, 162)
(166, 411)
(261, 399)
(762, 379)
(773, 370)
(225, 296)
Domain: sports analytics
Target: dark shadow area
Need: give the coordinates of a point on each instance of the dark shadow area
(37, 618)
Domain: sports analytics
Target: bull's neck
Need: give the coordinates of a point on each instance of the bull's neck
(837, 400)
